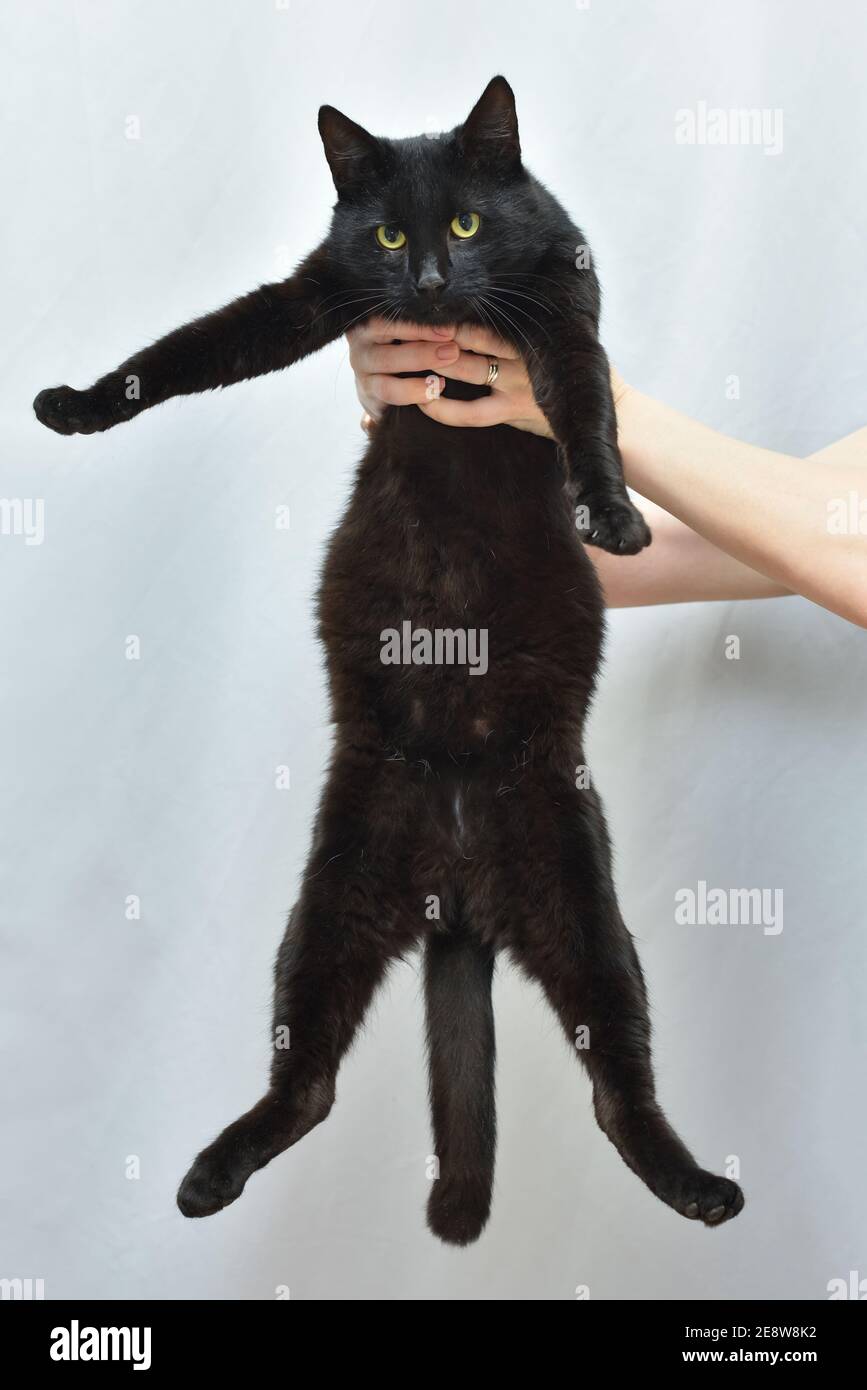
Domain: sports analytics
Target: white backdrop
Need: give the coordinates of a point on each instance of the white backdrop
(155, 777)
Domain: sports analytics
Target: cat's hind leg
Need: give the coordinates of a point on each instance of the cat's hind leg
(570, 937)
(348, 925)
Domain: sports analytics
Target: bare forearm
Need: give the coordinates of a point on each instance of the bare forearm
(768, 513)
(679, 567)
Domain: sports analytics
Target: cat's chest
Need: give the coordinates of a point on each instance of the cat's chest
(453, 529)
(468, 510)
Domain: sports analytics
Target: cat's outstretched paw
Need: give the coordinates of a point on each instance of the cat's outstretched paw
(457, 1211)
(67, 411)
(702, 1196)
(613, 524)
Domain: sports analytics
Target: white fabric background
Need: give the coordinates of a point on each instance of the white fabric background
(156, 777)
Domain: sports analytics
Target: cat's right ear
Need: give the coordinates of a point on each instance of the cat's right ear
(353, 154)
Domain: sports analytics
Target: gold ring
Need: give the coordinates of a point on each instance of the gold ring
(493, 371)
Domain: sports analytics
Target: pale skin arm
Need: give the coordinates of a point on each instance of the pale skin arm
(686, 567)
(729, 520)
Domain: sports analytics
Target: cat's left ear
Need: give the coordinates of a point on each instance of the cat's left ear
(489, 135)
(353, 154)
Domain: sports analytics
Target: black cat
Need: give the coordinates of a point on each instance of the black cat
(452, 813)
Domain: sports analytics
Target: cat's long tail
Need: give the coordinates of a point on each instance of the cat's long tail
(461, 1052)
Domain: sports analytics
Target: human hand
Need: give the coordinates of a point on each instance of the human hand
(459, 353)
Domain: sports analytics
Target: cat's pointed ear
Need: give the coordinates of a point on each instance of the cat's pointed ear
(353, 154)
(489, 135)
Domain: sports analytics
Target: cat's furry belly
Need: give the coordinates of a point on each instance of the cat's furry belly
(463, 532)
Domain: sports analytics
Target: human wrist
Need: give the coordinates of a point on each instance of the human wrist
(630, 407)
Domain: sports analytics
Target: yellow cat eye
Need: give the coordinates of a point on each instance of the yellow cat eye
(467, 224)
(392, 238)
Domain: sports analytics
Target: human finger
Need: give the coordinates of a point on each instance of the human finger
(487, 410)
(474, 339)
(476, 370)
(386, 359)
(382, 330)
(396, 390)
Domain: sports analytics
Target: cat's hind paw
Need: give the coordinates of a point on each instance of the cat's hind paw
(208, 1187)
(702, 1196)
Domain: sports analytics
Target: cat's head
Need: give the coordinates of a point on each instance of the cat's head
(432, 222)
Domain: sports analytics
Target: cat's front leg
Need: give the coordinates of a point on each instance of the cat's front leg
(264, 331)
(571, 381)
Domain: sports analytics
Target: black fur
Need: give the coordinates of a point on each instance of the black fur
(444, 786)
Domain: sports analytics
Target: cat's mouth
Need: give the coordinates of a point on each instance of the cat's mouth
(424, 312)
(445, 309)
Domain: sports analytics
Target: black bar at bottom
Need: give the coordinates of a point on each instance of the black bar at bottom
(154, 1338)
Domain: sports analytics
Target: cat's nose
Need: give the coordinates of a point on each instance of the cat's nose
(429, 280)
